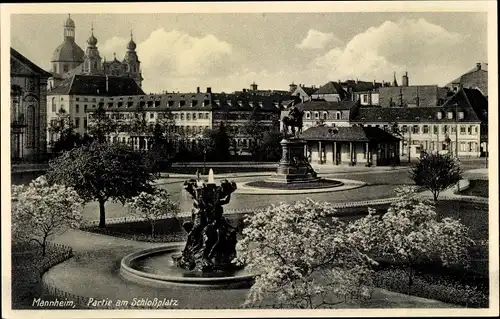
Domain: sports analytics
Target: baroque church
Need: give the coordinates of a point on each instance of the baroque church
(69, 59)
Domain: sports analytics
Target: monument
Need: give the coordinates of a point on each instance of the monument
(211, 242)
(293, 166)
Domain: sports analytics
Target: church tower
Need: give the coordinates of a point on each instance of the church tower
(68, 55)
(131, 62)
(92, 59)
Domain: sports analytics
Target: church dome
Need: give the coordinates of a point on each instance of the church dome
(131, 45)
(69, 22)
(92, 40)
(68, 51)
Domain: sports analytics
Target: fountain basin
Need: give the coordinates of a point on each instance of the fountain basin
(269, 187)
(154, 267)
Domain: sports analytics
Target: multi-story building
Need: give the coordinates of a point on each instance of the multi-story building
(69, 59)
(476, 78)
(429, 129)
(28, 115)
(193, 113)
(81, 93)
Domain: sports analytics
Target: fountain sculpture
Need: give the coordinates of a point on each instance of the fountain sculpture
(211, 242)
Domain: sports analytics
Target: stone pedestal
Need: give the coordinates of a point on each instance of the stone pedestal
(294, 166)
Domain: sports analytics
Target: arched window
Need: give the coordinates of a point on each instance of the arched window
(337, 116)
(30, 129)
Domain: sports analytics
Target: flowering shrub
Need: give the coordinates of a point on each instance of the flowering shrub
(304, 256)
(40, 210)
(152, 207)
(410, 232)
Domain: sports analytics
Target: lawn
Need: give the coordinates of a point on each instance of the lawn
(477, 187)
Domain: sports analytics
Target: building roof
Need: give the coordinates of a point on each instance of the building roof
(97, 85)
(475, 78)
(347, 134)
(305, 89)
(315, 105)
(470, 98)
(415, 95)
(332, 88)
(412, 114)
(35, 68)
(68, 51)
(359, 86)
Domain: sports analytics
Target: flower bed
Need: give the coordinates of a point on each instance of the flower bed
(28, 266)
(434, 286)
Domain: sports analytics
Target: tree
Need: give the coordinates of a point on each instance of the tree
(100, 172)
(303, 254)
(151, 207)
(255, 130)
(270, 147)
(40, 211)
(101, 125)
(410, 233)
(67, 138)
(218, 143)
(436, 172)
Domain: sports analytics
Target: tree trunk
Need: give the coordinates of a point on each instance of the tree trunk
(153, 230)
(435, 195)
(410, 278)
(102, 213)
(44, 246)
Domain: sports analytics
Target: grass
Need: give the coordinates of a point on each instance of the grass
(477, 188)
(322, 183)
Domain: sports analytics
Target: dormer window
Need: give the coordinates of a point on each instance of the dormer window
(460, 115)
(251, 104)
(182, 103)
(261, 105)
(308, 115)
(217, 102)
(450, 115)
(439, 115)
(170, 103)
(337, 116)
(240, 103)
(325, 115)
(316, 115)
(206, 102)
(229, 102)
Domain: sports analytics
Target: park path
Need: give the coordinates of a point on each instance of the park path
(93, 273)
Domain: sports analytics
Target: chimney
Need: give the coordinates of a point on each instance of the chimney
(405, 79)
(209, 90)
(478, 66)
(198, 89)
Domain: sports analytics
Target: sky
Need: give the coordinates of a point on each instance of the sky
(229, 51)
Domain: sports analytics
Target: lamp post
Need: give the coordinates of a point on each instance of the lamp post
(456, 130)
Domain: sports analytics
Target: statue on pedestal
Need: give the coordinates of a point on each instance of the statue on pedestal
(211, 242)
(291, 121)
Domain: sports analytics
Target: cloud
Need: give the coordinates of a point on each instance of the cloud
(171, 58)
(416, 46)
(317, 40)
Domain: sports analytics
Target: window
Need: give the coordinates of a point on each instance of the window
(404, 128)
(325, 115)
(182, 103)
(54, 105)
(439, 115)
(316, 115)
(176, 116)
(453, 129)
(462, 129)
(364, 98)
(338, 116)
(188, 116)
(426, 129)
(151, 115)
(436, 129)
(206, 116)
(475, 130)
(445, 129)
(308, 115)
(462, 147)
(450, 115)
(460, 115)
(182, 116)
(77, 109)
(469, 130)
(65, 68)
(416, 129)
(77, 99)
(85, 108)
(200, 115)
(194, 116)
(77, 122)
(85, 123)
(170, 103)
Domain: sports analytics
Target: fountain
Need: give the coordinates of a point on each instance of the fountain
(207, 257)
(294, 173)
